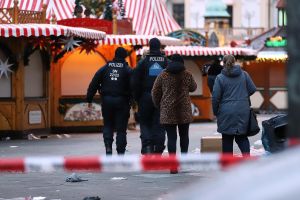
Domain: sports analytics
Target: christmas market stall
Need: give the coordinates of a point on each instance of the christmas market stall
(27, 52)
(69, 93)
(75, 60)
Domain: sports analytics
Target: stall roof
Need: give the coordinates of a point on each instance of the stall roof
(138, 40)
(62, 9)
(150, 17)
(205, 51)
(27, 30)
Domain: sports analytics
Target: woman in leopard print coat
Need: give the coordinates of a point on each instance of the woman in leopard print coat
(170, 93)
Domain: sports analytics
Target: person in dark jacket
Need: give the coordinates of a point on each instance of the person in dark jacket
(113, 83)
(231, 105)
(170, 94)
(213, 71)
(152, 133)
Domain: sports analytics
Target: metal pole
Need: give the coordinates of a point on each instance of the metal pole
(293, 30)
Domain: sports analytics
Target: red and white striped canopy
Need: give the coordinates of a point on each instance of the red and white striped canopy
(27, 30)
(138, 40)
(204, 51)
(62, 9)
(150, 17)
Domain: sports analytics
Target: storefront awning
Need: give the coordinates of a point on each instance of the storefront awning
(27, 30)
(205, 51)
(138, 40)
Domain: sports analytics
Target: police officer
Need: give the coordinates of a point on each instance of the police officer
(113, 83)
(152, 133)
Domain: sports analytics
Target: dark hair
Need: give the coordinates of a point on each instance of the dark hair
(177, 58)
(154, 44)
(228, 61)
(121, 53)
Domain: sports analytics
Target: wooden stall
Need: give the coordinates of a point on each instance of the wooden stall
(69, 111)
(26, 82)
(268, 71)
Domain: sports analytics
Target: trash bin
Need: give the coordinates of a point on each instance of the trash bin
(274, 133)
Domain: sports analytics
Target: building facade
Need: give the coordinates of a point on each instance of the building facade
(244, 13)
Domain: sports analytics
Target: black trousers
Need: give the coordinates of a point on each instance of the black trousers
(115, 112)
(172, 137)
(241, 140)
(152, 132)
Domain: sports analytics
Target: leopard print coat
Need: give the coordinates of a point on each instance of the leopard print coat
(170, 94)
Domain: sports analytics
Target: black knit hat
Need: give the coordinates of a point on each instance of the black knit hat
(177, 58)
(154, 44)
(121, 53)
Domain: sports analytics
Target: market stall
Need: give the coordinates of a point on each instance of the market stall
(69, 93)
(26, 54)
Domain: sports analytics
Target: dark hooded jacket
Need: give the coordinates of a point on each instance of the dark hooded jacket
(170, 93)
(113, 79)
(230, 100)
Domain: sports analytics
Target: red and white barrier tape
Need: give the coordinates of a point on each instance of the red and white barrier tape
(126, 163)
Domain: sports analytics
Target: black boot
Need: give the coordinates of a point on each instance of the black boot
(121, 151)
(108, 149)
(148, 150)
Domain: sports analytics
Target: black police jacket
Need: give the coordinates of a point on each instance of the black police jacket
(113, 79)
(146, 72)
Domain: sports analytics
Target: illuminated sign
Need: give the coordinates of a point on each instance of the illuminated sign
(277, 41)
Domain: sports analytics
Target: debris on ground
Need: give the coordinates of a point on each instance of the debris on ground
(75, 178)
(92, 198)
(118, 178)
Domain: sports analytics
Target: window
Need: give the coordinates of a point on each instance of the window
(282, 18)
(178, 13)
(34, 76)
(5, 83)
(193, 68)
(77, 72)
(229, 10)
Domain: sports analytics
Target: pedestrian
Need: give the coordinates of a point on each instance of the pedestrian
(152, 133)
(170, 94)
(113, 83)
(212, 70)
(231, 105)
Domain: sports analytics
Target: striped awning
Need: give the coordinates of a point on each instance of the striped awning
(62, 9)
(138, 40)
(150, 17)
(204, 51)
(27, 30)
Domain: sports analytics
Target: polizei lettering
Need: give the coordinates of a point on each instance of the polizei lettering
(116, 64)
(157, 59)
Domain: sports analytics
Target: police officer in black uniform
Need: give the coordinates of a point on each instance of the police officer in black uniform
(113, 83)
(152, 133)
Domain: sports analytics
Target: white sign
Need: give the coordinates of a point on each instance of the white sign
(35, 117)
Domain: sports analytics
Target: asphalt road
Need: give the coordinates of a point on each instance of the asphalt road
(107, 186)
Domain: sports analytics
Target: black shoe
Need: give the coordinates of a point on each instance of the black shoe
(108, 149)
(173, 171)
(148, 150)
